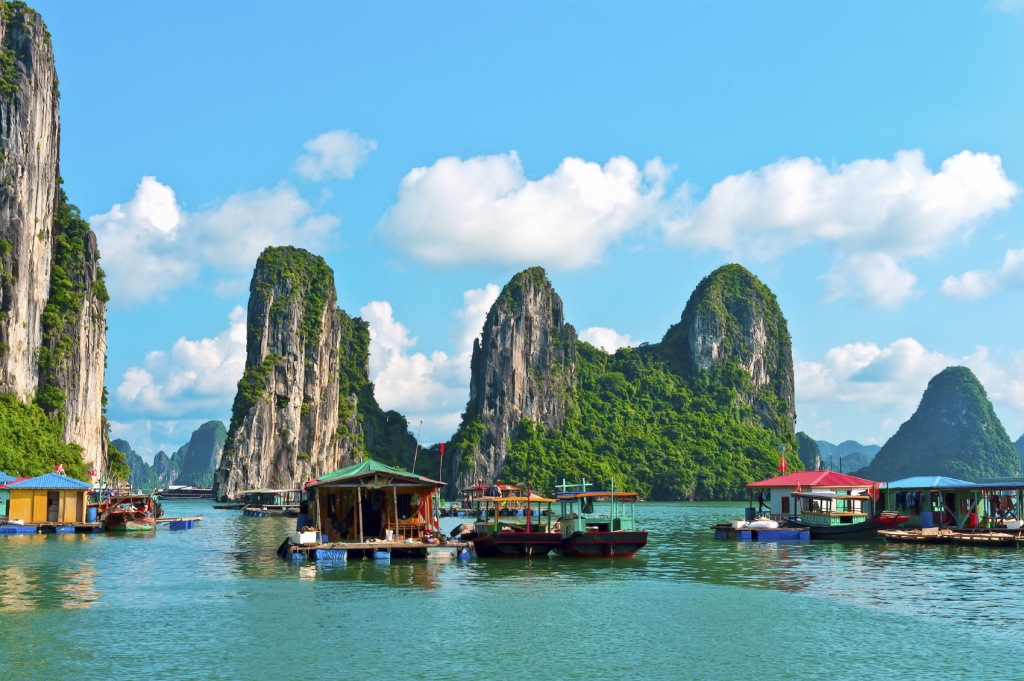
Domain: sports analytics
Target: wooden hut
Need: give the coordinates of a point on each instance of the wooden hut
(48, 499)
(372, 500)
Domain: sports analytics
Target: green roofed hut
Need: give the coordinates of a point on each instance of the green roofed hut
(369, 508)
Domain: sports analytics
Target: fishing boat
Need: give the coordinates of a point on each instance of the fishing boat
(834, 515)
(131, 513)
(512, 525)
(927, 535)
(588, 533)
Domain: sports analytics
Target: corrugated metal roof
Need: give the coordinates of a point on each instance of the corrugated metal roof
(50, 481)
(928, 482)
(368, 467)
(5, 478)
(814, 479)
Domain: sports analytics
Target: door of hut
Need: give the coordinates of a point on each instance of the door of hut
(52, 507)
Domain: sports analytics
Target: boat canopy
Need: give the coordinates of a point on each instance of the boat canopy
(572, 496)
(370, 469)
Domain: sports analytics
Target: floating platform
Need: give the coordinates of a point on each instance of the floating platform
(761, 534)
(194, 519)
(377, 550)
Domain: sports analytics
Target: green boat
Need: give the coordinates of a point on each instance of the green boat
(587, 533)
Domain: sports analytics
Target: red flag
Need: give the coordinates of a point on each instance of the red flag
(798, 487)
(442, 450)
(782, 464)
(92, 473)
(59, 470)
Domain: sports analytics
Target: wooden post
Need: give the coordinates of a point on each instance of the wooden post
(394, 498)
(359, 511)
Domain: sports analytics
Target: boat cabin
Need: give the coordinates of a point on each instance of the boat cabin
(784, 496)
(578, 512)
(829, 509)
(372, 500)
(49, 498)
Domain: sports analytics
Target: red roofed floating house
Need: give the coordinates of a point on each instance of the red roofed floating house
(829, 504)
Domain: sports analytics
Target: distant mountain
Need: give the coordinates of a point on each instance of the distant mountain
(810, 453)
(848, 455)
(165, 469)
(197, 460)
(954, 432)
(1019, 446)
(142, 475)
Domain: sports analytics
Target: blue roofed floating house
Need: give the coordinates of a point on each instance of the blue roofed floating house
(50, 500)
(943, 502)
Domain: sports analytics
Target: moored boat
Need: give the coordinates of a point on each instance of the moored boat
(512, 525)
(130, 513)
(592, 534)
(832, 515)
(927, 535)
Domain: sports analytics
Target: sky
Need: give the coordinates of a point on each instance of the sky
(863, 159)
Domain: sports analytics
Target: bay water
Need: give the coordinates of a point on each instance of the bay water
(216, 602)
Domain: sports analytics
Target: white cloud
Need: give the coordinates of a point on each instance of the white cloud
(484, 210)
(334, 154)
(151, 246)
(874, 278)
(979, 283)
(898, 207)
(193, 375)
(607, 339)
(430, 389)
(1008, 6)
(874, 212)
(885, 384)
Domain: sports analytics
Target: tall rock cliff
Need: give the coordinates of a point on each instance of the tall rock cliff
(694, 417)
(732, 321)
(290, 420)
(52, 296)
(954, 432)
(523, 367)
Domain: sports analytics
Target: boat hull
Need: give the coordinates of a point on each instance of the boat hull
(618, 544)
(121, 524)
(865, 530)
(516, 544)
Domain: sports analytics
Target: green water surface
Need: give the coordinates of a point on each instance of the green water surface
(216, 602)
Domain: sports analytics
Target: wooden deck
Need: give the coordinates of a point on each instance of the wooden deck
(195, 518)
(400, 549)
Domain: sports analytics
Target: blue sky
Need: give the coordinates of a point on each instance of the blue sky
(863, 159)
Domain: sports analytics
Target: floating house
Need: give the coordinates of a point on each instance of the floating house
(264, 501)
(371, 500)
(938, 501)
(778, 497)
(49, 499)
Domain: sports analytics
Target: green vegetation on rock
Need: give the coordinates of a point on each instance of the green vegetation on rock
(30, 443)
(252, 388)
(661, 434)
(954, 432)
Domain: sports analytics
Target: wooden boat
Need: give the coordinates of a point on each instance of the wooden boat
(829, 515)
(988, 538)
(512, 525)
(130, 513)
(927, 535)
(590, 534)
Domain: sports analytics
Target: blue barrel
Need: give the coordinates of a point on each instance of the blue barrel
(927, 519)
(90, 514)
(301, 522)
(64, 529)
(382, 556)
(464, 554)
